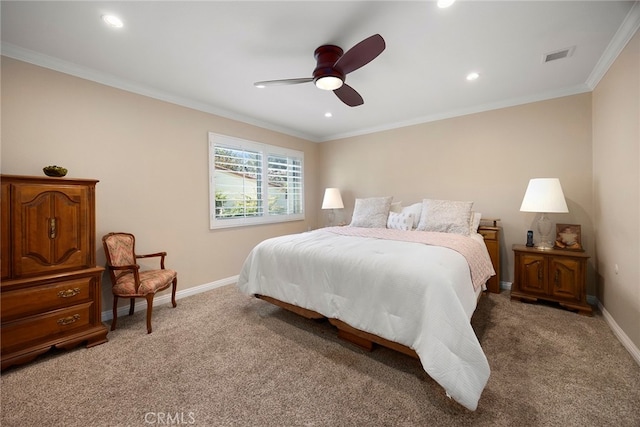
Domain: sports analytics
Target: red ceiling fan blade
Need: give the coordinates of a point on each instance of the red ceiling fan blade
(348, 95)
(361, 54)
(283, 82)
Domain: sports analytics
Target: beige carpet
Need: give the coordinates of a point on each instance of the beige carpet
(224, 359)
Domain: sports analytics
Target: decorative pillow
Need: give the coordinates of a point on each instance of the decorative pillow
(475, 222)
(448, 216)
(415, 210)
(396, 207)
(371, 212)
(400, 221)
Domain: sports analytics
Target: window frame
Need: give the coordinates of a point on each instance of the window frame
(265, 150)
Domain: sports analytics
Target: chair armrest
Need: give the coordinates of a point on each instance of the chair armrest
(152, 255)
(157, 254)
(124, 267)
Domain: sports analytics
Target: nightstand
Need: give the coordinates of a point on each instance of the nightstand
(491, 235)
(552, 275)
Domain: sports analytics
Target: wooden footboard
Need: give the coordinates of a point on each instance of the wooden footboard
(366, 340)
(362, 339)
(304, 312)
(348, 333)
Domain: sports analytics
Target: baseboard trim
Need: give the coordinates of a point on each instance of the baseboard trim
(619, 333)
(166, 298)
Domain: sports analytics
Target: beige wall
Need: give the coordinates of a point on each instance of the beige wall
(487, 158)
(616, 187)
(151, 158)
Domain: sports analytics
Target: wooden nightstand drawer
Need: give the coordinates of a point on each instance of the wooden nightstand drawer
(488, 234)
(47, 325)
(37, 299)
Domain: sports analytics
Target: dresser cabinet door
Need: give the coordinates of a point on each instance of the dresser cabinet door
(50, 229)
(565, 277)
(533, 274)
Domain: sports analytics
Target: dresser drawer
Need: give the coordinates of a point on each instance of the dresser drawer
(489, 234)
(48, 325)
(38, 299)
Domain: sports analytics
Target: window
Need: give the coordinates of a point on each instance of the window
(253, 183)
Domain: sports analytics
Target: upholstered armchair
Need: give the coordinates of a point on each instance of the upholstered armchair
(128, 281)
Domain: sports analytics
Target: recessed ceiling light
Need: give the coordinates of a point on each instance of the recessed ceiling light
(328, 115)
(113, 21)
(445, 3)
(259, 86)
(472, 76)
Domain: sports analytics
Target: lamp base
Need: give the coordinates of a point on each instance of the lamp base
(331, 215)
(544, 228)
(543, 246)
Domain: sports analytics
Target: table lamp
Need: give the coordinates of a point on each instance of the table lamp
(544, 195)
(332, 200)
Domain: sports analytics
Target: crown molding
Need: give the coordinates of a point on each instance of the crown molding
(575, 90)
(625, 32)
(52, 63)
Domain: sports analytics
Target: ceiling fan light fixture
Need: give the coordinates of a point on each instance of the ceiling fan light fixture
(328, 83)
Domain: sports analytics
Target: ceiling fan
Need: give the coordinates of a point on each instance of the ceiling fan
(333, 66)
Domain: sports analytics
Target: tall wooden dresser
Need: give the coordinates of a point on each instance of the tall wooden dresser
(50, 285)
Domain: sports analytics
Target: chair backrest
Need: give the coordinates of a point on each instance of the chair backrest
(120, 251)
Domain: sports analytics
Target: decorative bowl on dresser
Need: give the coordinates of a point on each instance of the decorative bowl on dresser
(50, 284)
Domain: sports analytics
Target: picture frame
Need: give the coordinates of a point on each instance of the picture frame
(568, 237)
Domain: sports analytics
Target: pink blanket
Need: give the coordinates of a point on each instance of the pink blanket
(474, 252)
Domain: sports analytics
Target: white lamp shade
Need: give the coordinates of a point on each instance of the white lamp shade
(332, 199)
(544, 195)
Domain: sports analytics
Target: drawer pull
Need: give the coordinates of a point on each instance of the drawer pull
(68, 320)
(69, 293)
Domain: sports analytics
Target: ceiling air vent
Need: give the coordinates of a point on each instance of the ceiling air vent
(558, 54)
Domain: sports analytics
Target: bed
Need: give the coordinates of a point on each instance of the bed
(406, 287)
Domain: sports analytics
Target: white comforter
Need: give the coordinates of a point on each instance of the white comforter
(415, 294)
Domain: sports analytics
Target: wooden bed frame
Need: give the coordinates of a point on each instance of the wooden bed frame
(368, 341)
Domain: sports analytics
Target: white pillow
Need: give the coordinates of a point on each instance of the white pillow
(447, 216)
(396, 207)
(475, 222)
(371, 213)
(400, 221)
(415, 210)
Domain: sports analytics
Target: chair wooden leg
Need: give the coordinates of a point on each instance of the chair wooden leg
(149, 311)
(115, 312)
(132, 304)
(173, 291)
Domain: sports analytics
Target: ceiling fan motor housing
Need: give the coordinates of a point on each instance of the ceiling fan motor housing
(326, 57)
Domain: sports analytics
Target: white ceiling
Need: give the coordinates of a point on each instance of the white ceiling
(207, 54)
